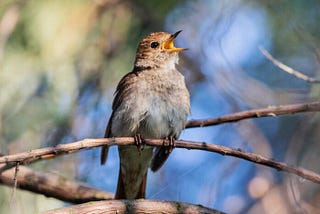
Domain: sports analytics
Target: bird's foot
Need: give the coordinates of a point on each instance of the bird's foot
(169, 144)
(139, 142)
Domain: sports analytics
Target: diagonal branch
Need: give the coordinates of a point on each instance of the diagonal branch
(288, 69)
(271, 111)
(60, 149)
(45, 153)
(50, 185)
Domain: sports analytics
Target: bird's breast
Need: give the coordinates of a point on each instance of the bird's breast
(156, 107)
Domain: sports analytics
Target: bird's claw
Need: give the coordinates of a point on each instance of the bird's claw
(139, 142)
(169, 144)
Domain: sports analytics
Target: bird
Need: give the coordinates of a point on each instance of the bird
(151, 102)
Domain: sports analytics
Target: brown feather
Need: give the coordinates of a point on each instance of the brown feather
(105, 149)
(121, 91)
(160, 156)
(121, 193)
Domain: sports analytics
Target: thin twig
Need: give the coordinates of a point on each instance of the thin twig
(60, 149)
(15, 182)
(271, 111)
(286, 68)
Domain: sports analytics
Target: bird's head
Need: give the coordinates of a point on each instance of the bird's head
(158, 50)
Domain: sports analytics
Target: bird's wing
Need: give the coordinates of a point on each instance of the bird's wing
(105, 149)
(122, 87)
(160, 156)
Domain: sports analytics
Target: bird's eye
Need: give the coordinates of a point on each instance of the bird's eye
(154, 44)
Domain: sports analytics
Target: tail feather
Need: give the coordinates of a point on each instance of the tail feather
(121, 190)
(120, 193)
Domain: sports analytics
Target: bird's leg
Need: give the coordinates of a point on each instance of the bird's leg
(139, 142)
(169, 144)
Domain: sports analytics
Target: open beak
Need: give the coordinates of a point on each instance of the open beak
(169, 46)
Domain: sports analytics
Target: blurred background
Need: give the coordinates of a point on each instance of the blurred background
(60, 62)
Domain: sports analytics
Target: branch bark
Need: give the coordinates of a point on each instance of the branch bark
(133, 206)
(51, 185)
(60, 149)
(271, 111)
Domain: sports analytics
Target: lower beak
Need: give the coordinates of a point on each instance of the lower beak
(169, 45)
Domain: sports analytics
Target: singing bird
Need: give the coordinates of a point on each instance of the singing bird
(151, 101)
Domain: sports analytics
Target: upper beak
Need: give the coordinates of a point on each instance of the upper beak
(169, 46)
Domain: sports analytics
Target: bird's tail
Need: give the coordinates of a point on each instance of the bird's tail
(121, 189)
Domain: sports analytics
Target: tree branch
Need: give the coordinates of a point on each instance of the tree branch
(288, 69)
(50, 185)
(133, 206)
(271, 111)
(45, 153)
(60, 149)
